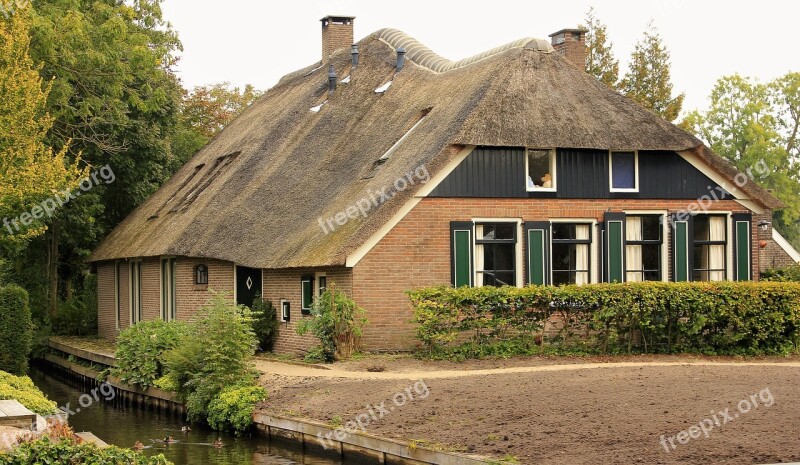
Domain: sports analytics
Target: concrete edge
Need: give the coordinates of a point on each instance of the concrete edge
(311, 432)
(82, 353)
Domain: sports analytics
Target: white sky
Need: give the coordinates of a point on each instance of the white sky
(258, 41)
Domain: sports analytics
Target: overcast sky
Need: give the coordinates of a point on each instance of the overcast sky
(258, 41)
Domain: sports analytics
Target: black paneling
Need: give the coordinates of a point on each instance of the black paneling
(580, 174)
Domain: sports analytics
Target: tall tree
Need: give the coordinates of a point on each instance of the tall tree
(648, 79)
(208, 109)
(785, 96)
(30, 171)
(744, 124)
(600, 61)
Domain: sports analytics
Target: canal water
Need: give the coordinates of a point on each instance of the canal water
(122, 426)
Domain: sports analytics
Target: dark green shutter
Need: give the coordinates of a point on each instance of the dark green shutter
(307, 291)
(742, 246)
(461, 253)
(615, 247)
(681, 247)
(537, 240)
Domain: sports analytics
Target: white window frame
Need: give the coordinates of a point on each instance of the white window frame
(518, 266)
(167, 312)
(611, 169)
(318, 287)
(280, 309)
(594, 248)
(553, 164)
(117, 306)
(665, 244)
(304, 279)
(135, 290)
(728, 242)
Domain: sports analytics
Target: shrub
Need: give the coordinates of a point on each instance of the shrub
(337, 322)
(232, 408)
(140, 350)
(22, 389)
(265, 323)
(215, 354)
(715, 318)
(785, 274)
(67, 451)
(16, 329)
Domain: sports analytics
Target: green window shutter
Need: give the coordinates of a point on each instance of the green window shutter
(537, 239)
(615, 247)
(461, 253)
(307, 294)
(742, 246)
(680, 248)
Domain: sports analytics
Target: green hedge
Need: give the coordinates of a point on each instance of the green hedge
(69, 452)
(785, 274)
(16, 329)
(22, 389)
(714, 318)
(140, 350)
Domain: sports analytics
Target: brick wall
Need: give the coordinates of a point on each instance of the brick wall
(772, 255)
(336, 36)
(106, 301)
(191, 296)
(285, 285)
(416, 253)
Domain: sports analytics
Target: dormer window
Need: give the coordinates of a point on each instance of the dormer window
(624, 171)
(541, 170)
(201, 274)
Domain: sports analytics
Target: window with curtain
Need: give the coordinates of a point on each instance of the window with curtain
(571, 253)
(710, 241)
(541, 170)
(496, 254)
(643, 242)
(623, 171)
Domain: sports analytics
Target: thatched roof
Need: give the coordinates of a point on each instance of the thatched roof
(290, 166)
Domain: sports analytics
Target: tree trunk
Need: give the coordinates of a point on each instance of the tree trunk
(52, 269)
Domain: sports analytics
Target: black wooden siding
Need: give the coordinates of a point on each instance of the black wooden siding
(580, 174)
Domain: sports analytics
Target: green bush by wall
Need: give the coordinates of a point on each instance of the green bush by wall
(650, 317)
(16, 329)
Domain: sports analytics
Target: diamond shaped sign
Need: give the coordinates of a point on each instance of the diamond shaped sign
(249, 282)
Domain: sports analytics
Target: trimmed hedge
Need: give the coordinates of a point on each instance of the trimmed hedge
(651, 317)
(16, 329)
(68, 451)
(22, 389)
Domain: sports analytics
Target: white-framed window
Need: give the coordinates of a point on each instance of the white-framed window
(169, 284)
(135, 287)
(322, 283)
(571, 251)
(117, 306)
(644, 248)
(623, 171)
(710, 247)
(540, 170)
(306, 294)
(285, 309)
(497, 253)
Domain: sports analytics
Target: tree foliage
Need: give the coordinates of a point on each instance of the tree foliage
(750, 122)
(600, 61)
(30, 170)
(208, 109)
(16, 329)
(648, 80)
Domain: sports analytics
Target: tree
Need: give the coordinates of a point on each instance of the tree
(648, 80)
(751, 124)
(208, 109)
(600, 61)
(30, 171)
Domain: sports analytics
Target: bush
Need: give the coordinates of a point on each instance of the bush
(16, 329)
(715, 318)
(22, 389)
(265, 323)
(785, 274)
(67, 451)
(232, 409)
(215, 354)
(337, 322)
(140, 350)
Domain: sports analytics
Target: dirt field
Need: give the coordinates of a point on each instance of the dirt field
(574, 416)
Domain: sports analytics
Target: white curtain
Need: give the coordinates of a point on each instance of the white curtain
(479, 256)
(633, 253)
(716, 253)
(582, 231)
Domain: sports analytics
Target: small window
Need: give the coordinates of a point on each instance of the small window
(201, 274)
(541, 170)
(286, 313)
(306, 294)
(624, 172)
(571, 253)
(322, 283)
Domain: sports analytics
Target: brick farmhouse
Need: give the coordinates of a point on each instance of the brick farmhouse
(385, 167)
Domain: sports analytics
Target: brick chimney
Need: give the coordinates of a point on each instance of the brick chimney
(572, 44)
(337, 32)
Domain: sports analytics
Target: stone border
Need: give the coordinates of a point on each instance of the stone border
(382, 450)
(84, 354)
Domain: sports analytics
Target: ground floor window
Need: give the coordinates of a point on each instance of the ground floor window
(496, 254)
(135, 275)
(169, 284)
(709, 245)
(571, 253)
(643, 247)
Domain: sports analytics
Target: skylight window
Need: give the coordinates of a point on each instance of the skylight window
(383, 88)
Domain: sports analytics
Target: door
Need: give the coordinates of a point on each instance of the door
(248, 284)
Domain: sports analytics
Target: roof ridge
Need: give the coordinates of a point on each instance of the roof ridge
(417, 52)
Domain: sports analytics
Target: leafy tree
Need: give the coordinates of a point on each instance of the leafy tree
(648, 80)
(751, 123)
(208, 109)
(600, 61)
(30, 171)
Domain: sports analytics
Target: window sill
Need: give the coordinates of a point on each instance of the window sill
(200, 287)
(553, 189)
(624, 190)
